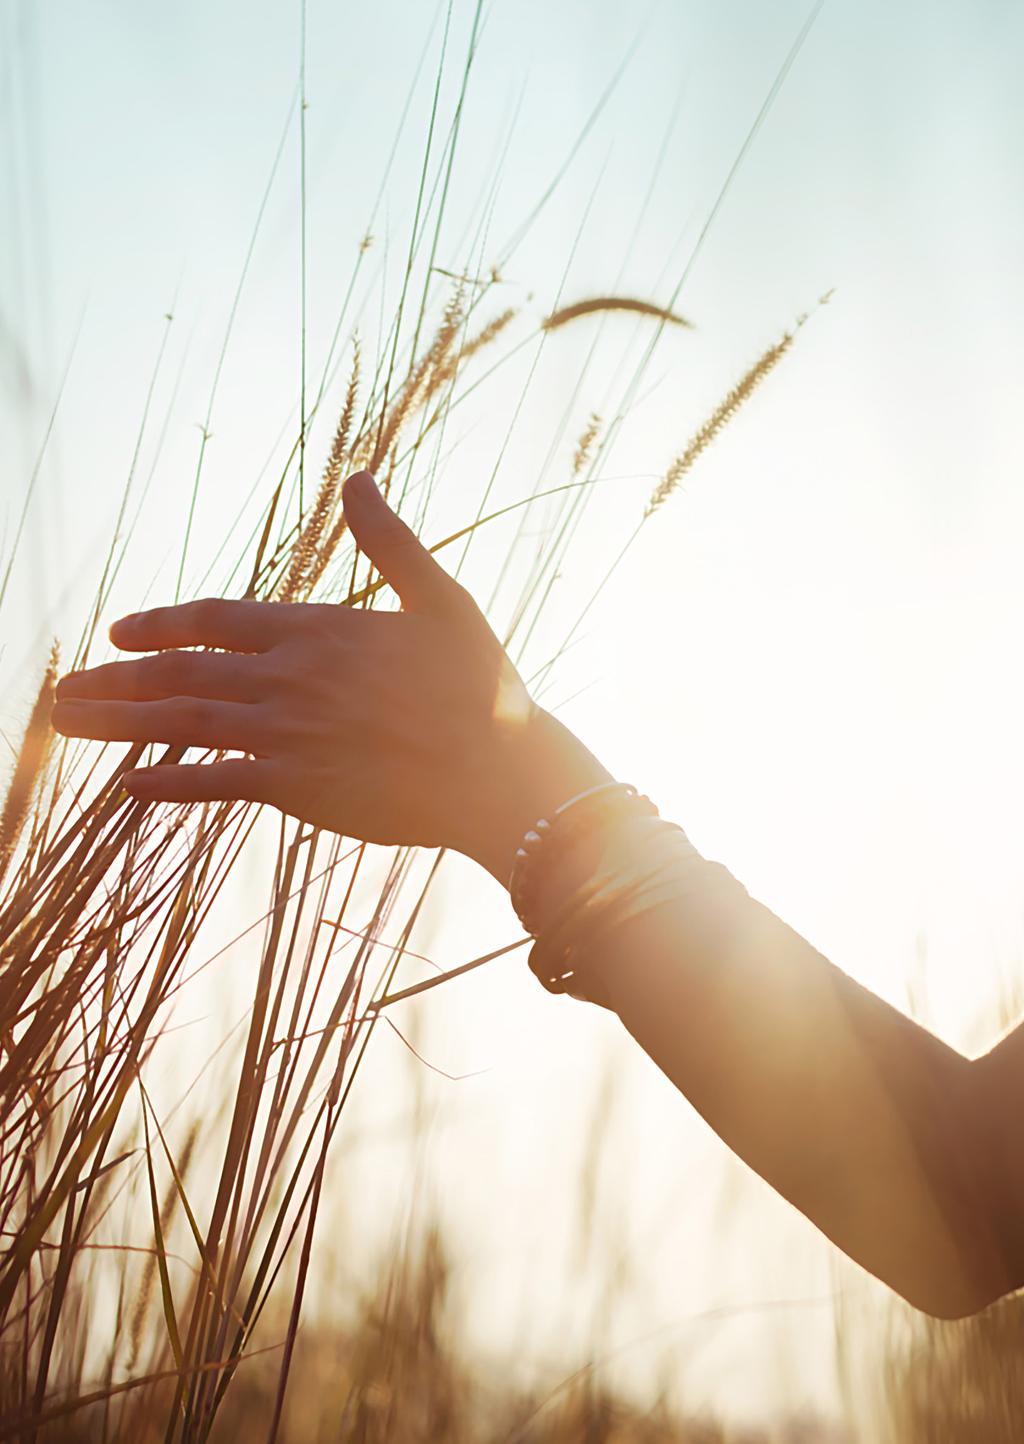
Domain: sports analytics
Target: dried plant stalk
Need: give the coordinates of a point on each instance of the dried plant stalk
(29, 763)
(96, 936)
(595, 304)
(308, 557)
(485, 337)
(419, 387)
(719, 419)
(585, 445)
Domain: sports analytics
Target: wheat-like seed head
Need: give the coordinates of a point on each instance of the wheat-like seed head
(483, 338)
(29, 764)
(727, 409)
(418, 387)
(719, 419)
(308, 556)
(585, 445)
(596, 304)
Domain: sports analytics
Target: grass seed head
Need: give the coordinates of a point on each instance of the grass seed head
(29, 763)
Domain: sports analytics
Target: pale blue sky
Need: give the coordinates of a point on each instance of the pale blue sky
(810, 658)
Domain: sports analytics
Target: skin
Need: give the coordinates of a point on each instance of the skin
(413, 727)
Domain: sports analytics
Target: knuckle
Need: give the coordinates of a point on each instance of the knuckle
(463, 600)
(268, 787)
(204, 612)
(284, 729)
(403, 538)
(192, 714)
(165, 669)
(270, 722)
(323, 619)
(253, 612)
(276, 673)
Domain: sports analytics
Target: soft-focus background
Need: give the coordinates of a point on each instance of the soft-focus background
(809, 658)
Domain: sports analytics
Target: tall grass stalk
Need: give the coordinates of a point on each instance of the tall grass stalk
(140, 1252)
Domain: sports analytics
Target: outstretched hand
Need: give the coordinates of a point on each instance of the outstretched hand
(405, 727)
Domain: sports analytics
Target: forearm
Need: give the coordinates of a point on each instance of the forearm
(875, 1129)
(867, 1123)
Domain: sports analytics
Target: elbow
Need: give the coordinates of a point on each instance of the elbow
(940, 1300)
(973, 1255)
(958, 1286)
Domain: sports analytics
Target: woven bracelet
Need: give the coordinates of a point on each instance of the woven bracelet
(608, 899)
(548, 836)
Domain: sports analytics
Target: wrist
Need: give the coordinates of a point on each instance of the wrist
(541, 766)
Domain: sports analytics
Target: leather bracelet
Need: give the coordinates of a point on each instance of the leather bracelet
(655, 874)
(572, 972)
(549, 835)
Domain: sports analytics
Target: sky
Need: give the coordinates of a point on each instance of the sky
(808, 657)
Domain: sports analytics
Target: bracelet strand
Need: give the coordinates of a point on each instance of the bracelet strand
(548, 838)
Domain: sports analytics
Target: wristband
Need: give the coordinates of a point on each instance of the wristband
(606, 803)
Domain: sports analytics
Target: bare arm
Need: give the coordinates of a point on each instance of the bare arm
(414, 728)
(899, 1148)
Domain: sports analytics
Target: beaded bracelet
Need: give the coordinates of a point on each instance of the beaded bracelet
(548, 836)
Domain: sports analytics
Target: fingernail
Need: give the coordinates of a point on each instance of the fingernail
(67, 686)
(362, 483)
(139, 782)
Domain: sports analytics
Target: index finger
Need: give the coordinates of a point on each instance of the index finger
(248, 626)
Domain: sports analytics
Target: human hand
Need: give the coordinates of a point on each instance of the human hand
(408, 727)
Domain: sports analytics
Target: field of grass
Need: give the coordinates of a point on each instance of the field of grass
(163, 1221)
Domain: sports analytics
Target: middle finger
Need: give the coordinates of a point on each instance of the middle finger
(223, 676)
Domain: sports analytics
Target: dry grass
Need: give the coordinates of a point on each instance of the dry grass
(313, 550)
(102, 910)
(28, 764)
(723, 414)
(595, 305)
(154, 1264)
(961, 1382)
(398, 1374)
(102, 906)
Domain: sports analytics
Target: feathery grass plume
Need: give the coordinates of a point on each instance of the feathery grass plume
(585, 445)
(565, 314)
(418, 387)
(722, 415)
(328, 549)
(29, 763)
(339, 446)
(304, 549)
(483, 338)
(308, 557)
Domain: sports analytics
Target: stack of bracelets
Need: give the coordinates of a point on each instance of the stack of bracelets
(610, 812)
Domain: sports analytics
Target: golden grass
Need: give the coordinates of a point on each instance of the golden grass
(311, 552)
(28, 764)
(101, 911)
(723, 414)
(595, 305)
(585, 445)
(425, 378)
(716, 423)
(960, 1381)
(104, 905)
(99, 915)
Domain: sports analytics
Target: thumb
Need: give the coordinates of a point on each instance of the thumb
(394, 549)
